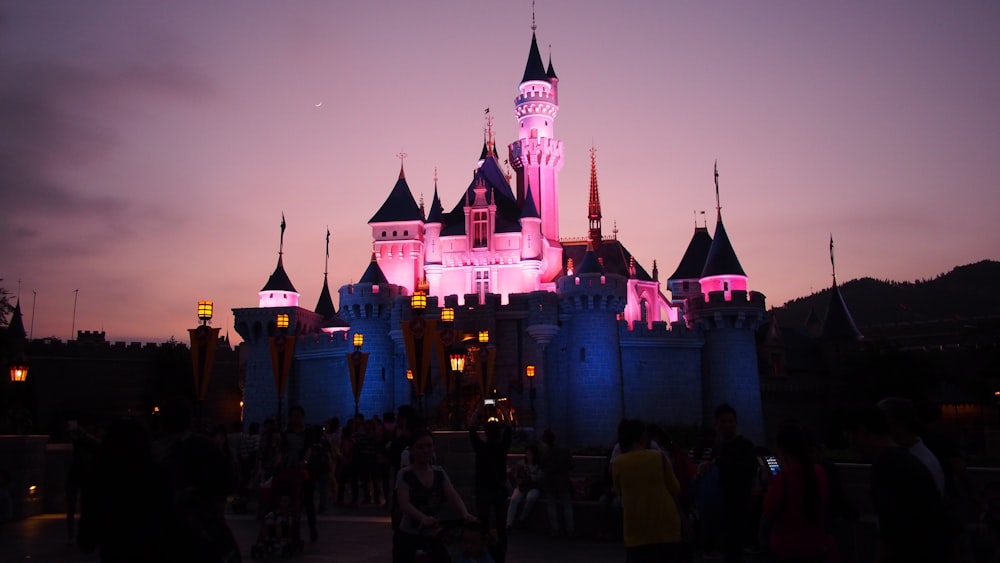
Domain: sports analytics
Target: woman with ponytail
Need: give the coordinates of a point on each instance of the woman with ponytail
(793, 524)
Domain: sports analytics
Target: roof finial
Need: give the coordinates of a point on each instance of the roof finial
(401, 156)
(281, 242)
(704, 221)
(833, 265)
(718, 206)
(326, 267)
(435, 176)
(533, 26)
(614, 229)
(422, 213)
(489, 132)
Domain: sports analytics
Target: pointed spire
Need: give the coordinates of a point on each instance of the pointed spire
(529, 209)
(400, 205)
(721, 259)
(16, 326)
(490, 143)
(656, 272)
(535, 68)
(594, 207)
(551, 71)
(374, 274)
(437, 210)
(693, 261)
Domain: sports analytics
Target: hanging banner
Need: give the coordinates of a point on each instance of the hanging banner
(204, 341)
(282, 353)
(445, 338)
(357, 365)
(419, 336)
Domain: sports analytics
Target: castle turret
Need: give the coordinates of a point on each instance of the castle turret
(432, 242)
(398, 235)
(838, 325)
(279, 291)
(590, 401)
(332, 322)
(684, 282)
(367, 306)
(531, 243)
(728, 316)
(537, 156)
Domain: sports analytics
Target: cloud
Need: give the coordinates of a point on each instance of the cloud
(58, 118)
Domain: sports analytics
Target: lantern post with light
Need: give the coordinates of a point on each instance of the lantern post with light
(357, 364)
(204, 342)
(487, 356)
(445, 341)
(418, 345)
(282, 352)
(529, 372)
(457, 363)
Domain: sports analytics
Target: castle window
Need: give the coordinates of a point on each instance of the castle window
(583, 354)
(394, 233)
(644, 310)
(482, 283)
(725, 286)
(479, 229)
(383, 234)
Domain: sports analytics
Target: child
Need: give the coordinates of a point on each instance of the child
(474, 545)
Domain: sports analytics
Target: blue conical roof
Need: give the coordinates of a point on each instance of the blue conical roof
(839, 324)
(279, 279)
(590, 264)
(529, 209)
(721, 259)
(374, 274)
(535, 68)
(400, 205)
(437, 210)
(693, 262)
(324, 306)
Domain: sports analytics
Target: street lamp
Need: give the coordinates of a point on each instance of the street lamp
(204, 342)
(529, 372)
(357, 364)
(282, 353)
(418, 345)
(18, 373)
(457, 367)
(487, 354)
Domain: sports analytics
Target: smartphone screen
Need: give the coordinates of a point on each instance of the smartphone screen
(772, 462)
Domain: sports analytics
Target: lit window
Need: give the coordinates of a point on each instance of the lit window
(482, 283)
(479, 229)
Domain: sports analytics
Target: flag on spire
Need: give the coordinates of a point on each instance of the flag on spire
(718, 206)
(328, 242)
(281, 242)
(833, 265)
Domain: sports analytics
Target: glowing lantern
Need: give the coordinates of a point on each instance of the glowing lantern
(19, 373)
(447, 315)
(529, 371)
(457, 362)
(359, 340)
(409, 375)
(205, 311)
(484, 336)
(418, 302)
(282, 321)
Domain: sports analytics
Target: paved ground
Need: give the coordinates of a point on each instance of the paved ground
(346, 536)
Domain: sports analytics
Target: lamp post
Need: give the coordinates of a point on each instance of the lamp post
(19, 413)
(457, 362)
(486, 355)
(529, 372)
(357, 363)
(204, 341)
(418, 346)
(282, 353)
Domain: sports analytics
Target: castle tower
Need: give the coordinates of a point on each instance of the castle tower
(728, 316)
(684, 282)
(594, 206)
(279, 291)
(432, 243)
(531, 243)
(590, 400)
(367, 306)
(537, 156)
(398, 235)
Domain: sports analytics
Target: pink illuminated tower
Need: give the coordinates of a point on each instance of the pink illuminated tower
(537, 156)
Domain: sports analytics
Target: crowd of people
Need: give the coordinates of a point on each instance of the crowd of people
(725, 497)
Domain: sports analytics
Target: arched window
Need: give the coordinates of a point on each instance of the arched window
(644, 310)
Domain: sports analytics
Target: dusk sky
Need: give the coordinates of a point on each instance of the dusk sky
(148, 149)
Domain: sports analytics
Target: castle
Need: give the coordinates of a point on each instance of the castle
(601, 337)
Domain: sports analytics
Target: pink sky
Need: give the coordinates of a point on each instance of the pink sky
(147, 150)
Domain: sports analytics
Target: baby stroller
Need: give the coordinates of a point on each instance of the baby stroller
(279, 512)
